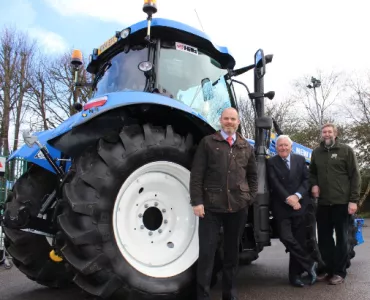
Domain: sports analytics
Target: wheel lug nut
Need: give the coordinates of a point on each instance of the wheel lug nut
(163, 210)
(150, 233)
(146, 205)
(156, 204)
(142, 227)
(165, 221)
(140, 215)
(160, 230)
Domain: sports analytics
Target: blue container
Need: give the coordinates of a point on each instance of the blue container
(359, 223)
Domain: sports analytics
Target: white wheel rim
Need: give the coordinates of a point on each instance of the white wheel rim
(171, 248)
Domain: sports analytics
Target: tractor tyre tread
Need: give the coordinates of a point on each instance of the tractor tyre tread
(86, 221)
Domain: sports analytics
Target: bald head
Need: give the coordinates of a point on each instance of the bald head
(230, 120)
(230, 110)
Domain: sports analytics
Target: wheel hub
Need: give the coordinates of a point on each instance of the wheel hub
(152, 218)
(154, 225)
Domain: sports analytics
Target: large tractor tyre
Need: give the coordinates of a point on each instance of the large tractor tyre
(311, 230)
(31, 252)
(352, 240)
(130, 230)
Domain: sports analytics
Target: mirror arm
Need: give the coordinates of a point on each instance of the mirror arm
(243, 84)
(240, 71)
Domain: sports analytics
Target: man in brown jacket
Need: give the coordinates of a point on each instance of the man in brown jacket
(223, 184)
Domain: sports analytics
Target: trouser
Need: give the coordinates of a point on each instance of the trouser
(292, 233)
(334, 255)
(209, 231)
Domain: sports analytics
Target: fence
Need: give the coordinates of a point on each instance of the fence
(13, 171)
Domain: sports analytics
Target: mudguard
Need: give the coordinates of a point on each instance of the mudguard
(114, 100)
(34, 155)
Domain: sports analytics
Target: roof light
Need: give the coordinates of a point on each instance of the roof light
(125, 33)
(96, 103)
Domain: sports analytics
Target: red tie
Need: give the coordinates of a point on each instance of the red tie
(230, 140)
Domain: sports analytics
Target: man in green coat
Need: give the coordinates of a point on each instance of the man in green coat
(335, 181)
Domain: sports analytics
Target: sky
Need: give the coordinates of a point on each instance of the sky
(303, 36)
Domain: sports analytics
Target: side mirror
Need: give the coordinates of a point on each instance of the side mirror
(260, 64)
(207, 89)
(29, 139)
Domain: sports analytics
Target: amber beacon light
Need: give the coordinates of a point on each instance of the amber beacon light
(150, 6)
(76, 58)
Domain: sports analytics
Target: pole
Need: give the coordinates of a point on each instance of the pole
(260, 206)
(260, 110)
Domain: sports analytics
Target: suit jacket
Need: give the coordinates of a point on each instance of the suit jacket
(284, 182)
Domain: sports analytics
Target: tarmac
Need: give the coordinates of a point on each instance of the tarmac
(266, 278)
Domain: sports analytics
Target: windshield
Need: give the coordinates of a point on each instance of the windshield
(189, 76)
(124, 73)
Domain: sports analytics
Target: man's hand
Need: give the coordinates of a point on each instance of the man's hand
(352, 208)
(297, 206)
(199, 210)
(315, 191)
(292, 200)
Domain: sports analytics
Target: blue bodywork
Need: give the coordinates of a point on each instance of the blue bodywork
(115, 100)
(296, 148)
(120, 99)
(204, 41)
(179, 26)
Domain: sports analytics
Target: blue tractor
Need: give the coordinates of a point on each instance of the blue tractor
(105, 201)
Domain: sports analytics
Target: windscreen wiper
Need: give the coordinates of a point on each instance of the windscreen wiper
(101, 72)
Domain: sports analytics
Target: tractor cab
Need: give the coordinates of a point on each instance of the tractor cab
(175, 61)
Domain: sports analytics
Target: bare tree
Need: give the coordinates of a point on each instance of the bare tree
(284, 113)
(247, 114)
(15, 58)
(359, 112)
(319, 95)
(22, 86)
(61, 89)
(359, 108)
(40, 98)
(8, 68)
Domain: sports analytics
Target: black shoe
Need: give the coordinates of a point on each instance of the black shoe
(296, 281)
(312, 273)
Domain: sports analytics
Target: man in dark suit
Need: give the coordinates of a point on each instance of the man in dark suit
(289, 185)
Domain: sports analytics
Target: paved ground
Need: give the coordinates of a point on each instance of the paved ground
(264, 279)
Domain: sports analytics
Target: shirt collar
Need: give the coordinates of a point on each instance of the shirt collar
(287, 158)
(225, 135)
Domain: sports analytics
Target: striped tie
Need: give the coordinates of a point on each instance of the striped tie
(286, 163)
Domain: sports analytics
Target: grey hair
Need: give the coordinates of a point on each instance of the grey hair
(283, 136)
